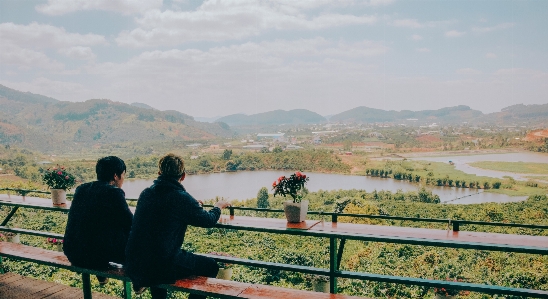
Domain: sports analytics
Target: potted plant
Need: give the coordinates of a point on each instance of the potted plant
(295, 211)
(320, 283)
(59, 181)
(12, 237)
(58, 243)
(225, 269)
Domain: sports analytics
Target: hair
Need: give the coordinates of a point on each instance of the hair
(109, 166)
(171, 165)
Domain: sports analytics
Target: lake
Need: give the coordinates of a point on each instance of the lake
(246, 184)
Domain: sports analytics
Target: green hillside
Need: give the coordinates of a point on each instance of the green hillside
(45, 124)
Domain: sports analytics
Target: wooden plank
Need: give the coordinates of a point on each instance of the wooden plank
(26, 288)
(273, 292)
(204, 286)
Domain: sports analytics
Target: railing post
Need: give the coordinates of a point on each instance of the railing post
(127, 290)
(7, 219)
(332, 265)
(86, 285)
(1, 266)
(334, 217)
(340, 253)
(455, 226)
(231, 210)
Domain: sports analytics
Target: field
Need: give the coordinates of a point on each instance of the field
(517, 167)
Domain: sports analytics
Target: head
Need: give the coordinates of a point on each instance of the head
(173, 166)
(111, 169)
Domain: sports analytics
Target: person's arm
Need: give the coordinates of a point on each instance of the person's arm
(197, 216)
(123, 215)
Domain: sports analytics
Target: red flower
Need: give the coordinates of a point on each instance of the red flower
(67, 177)
(59, 173)
(274, 184)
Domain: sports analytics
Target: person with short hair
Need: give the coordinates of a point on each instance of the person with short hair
(99, 219)
(164, 210)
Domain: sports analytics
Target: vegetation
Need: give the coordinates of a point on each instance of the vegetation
(507, 269)
(518, 167)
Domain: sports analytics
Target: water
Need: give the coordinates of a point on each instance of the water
(246, 184)
(461, 163)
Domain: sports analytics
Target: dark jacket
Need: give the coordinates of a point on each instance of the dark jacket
(163, 212)
(98, 226)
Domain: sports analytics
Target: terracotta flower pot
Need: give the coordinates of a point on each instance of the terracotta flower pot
(58, 197)
(224, 273)
(14, 239)
(295, 212)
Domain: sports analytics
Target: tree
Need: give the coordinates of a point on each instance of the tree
(227, 154)
(262, 199)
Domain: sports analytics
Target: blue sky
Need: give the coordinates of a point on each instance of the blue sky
(219, 57)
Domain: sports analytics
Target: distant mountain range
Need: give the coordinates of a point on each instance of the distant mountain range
(276, 117)
(46, 124)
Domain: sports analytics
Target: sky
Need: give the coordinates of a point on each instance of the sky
(219, 57)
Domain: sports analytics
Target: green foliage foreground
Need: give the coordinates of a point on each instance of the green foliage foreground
(500, 268)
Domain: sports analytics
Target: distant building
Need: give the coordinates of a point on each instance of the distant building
(274, 136)
(214, 146)
(194, 145)
(293, 147)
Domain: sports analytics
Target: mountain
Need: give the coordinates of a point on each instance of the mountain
(457, 114)
(276, 117)
(521, 113)
(48, 125)
(142, 105)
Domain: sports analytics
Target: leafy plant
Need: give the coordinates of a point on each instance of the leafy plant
(290, 186)
(59, 178)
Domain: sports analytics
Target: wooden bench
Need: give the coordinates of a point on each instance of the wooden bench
(196, 285)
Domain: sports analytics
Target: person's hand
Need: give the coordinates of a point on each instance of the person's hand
(222, 204)
(200, 202)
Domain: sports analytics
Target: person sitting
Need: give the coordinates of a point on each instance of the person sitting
(99, 219)
(164, 210)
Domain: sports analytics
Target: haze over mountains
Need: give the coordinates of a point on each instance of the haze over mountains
(46, 124)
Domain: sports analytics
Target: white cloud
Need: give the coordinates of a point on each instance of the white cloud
(454, 33)
(229, 20)
(45, 36)
(491, 55)
(27, 59)
(82, 53)
(60, 7)
(493, 28)
(423, 50)
(416, 37)
(379, 2)
(468, 71)
(408, 23)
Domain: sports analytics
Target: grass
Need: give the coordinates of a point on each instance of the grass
(517, 167)
(438, 169)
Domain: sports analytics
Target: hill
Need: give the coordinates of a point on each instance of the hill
(363, 114)
(48, 125)
(276, 117)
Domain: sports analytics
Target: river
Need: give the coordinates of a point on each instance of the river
(246, 184)
(462, 163)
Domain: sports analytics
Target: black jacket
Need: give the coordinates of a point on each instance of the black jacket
(98, 226)
(163, 213)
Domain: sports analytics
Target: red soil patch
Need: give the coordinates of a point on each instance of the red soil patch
(536, 135)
